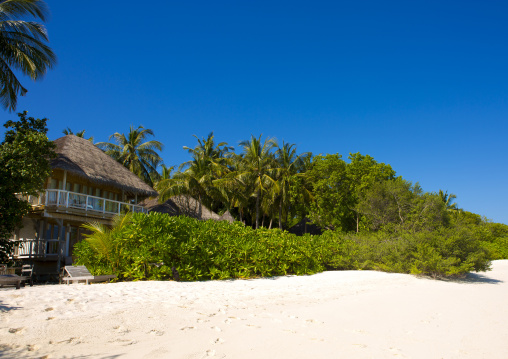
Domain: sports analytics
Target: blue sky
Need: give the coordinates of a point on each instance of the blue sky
(421, 85)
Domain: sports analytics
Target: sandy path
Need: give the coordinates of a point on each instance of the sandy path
(351, 314)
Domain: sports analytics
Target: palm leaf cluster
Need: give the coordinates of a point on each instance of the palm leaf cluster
(255, 184)
(81, 133)
(136, 154)
(23, 47)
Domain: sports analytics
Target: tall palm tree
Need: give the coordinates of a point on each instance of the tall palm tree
(258, 167)
(289, 164)
(208, 163)
(193, 182)
(140, 157)
(208, 150)
(22, 47)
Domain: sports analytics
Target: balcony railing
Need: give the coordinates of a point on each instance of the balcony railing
(83, 202)
(37, 248)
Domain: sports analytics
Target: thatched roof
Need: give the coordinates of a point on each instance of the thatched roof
(227, 217)
(81, 158)
(180, 205)
(305, 226)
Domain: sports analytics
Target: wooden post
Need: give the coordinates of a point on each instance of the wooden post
(64, 181)
(67, 242)
(60, 250)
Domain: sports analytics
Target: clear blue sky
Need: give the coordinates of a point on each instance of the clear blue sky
(421, 85)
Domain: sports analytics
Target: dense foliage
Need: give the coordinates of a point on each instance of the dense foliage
(24, 166)
(157, 246)
(371, 218)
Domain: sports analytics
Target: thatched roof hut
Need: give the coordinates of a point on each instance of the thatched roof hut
(181, 205)
(83, 159)
(227, 217)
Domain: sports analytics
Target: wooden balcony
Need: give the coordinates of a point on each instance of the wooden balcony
(56, 200)
(48, 249)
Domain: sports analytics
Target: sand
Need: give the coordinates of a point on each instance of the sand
(349, 314)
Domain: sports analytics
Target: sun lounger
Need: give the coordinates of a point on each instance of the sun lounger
(81, 273)
(12, 279)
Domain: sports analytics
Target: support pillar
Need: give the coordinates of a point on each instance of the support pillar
(67, 243)
(61, 238)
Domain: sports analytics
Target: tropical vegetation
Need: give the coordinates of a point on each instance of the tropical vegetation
(369, 217)
(160, 247)
(136, 154)
(81, 133)
(23, 47)
(24, 166)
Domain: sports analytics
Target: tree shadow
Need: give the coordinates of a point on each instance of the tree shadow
(11, 352)
(6, 308)
(473, 278)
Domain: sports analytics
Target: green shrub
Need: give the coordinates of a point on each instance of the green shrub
(157, 246)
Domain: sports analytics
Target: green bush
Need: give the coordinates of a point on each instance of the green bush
(157, 246)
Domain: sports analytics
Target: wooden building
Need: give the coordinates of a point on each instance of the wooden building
(86, 185)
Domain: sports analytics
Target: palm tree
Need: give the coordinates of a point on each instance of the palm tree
(193, 182)
(208, 150)
(22, 47)
(448, 200)
(166, 172)
(289, 164)
(258, 168)
(140, 157)
(208, 164)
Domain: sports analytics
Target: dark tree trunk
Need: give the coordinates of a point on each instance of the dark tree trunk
(257, 209)
(280, 215)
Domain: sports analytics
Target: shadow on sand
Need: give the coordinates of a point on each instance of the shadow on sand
(6, 308)
(9, 352)
(474, 278)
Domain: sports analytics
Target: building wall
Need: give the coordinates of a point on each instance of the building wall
(29, 229)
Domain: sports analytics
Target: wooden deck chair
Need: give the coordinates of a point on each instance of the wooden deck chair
(77, 273)
(27, 271)
(11, 279)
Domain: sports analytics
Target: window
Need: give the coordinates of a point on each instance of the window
(52, 231)
(53, 183)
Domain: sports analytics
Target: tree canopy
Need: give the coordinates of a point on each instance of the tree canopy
(136, 154)
(24, 167)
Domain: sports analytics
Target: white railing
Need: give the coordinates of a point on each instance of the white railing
(33, 200)
(95, 205)
(37, 248)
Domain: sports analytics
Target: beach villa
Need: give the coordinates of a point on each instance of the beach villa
(86, 185)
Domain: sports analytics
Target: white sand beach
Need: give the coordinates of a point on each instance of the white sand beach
(349, 314)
